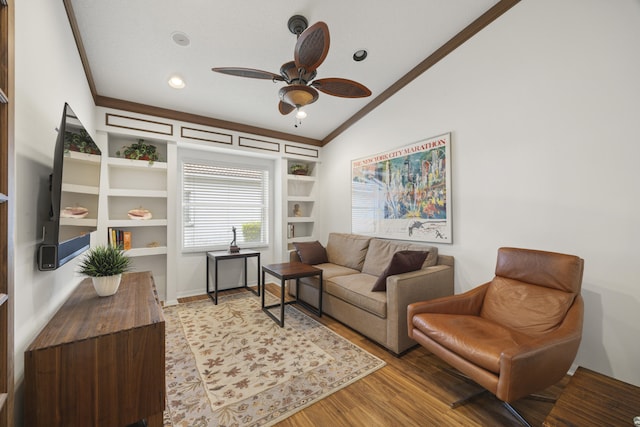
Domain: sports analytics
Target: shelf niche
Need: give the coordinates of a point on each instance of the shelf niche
(300, 190)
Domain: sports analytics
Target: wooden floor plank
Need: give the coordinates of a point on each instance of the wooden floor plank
(412, 390)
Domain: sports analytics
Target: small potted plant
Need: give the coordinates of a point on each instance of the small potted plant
(299, 169)
(80, 142)
(251, 231)
(139, 151)
(105, 265)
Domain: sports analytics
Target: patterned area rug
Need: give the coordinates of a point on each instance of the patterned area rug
(231, 365)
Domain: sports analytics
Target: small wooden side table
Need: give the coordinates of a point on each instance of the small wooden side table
(287, 271)
(222, 255)
(593, 399)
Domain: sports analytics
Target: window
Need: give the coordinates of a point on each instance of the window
(217, 197)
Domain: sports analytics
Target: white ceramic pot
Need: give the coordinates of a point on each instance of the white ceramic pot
(106, 285)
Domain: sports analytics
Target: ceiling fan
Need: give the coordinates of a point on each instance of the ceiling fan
(311, 49)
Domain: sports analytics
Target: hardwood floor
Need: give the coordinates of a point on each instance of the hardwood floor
(412, 390)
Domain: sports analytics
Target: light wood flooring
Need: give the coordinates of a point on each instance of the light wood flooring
(412, 390)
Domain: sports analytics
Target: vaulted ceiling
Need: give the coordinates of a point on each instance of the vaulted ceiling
(130, 49)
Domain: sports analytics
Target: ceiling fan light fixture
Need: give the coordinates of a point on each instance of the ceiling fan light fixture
(176, 82)
(298, 95)
(301, 114)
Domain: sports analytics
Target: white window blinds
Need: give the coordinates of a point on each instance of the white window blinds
(216, 198)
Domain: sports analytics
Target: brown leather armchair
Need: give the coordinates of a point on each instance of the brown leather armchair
(515, 335)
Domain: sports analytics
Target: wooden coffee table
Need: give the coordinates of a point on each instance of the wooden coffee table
(288, 271)
(593, 399)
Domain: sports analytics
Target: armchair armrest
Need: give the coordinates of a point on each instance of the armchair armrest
(469, 303)
(406, 288)
(542, 361)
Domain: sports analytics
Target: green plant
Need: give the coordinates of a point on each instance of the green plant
(299, 169)
(251, 231)
(80, 142)
(103, 261)
(139, 151)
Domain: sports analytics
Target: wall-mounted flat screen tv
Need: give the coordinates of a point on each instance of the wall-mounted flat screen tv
(74, 188)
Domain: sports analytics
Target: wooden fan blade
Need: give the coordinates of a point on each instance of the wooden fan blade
(341, 87)
(248, 72)
(312, 47)
(285, 108)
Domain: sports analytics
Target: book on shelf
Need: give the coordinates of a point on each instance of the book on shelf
(119, 238)
(126, 240)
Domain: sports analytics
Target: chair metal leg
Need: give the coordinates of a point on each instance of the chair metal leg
(467, 399)
(516, 414)
(510, 408)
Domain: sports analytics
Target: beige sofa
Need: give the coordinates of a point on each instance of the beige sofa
(354, 264)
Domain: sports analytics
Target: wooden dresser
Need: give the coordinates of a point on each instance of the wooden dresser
(99, 361)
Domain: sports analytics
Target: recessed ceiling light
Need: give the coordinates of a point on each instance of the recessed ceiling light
(176, 82)
(180, 38)
(360, 55)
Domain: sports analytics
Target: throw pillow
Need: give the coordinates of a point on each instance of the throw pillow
(311, 252)
(402, 262)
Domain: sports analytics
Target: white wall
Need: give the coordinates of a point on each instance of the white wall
(48, 73)
(543, 110)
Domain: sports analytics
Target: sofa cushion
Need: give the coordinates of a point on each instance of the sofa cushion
(527, 308)
(401, 262)
(381, 251)
(311, 252)
(330, 270)
(348, 250)
(356, 290)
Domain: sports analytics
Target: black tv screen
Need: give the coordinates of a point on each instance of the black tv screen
(74, 188)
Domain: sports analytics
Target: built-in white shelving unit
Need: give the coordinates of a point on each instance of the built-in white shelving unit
(126, 184)
(300, 199)
(131, 184)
